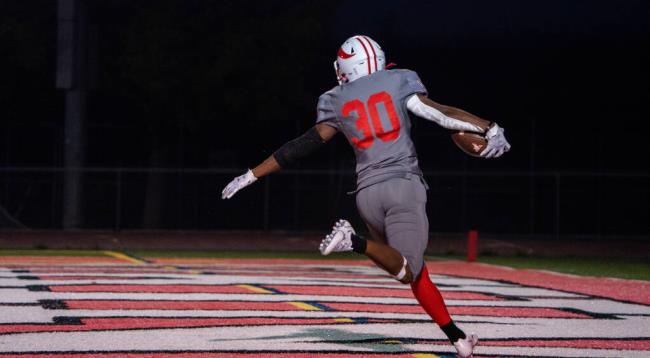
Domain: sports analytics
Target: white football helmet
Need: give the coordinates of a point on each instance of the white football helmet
(358, 56)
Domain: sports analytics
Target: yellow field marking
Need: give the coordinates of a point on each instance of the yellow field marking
(304, 306)
(190, 272)
(344, 320)
(392, 341)
(255, 289)
(425, 355)
(121, 256)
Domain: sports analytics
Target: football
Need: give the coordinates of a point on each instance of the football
(470, 143)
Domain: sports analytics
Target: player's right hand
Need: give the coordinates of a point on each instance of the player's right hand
(237, 184)
(497, 143)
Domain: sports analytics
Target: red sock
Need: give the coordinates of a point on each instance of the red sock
(430, 298)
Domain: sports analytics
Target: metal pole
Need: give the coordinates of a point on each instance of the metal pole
(71, 77)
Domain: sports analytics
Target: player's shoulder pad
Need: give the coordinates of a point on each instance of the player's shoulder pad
(413, 81)
(399, 70)
(404, 74)
(329, 92)
(326, 97)
(324, 108)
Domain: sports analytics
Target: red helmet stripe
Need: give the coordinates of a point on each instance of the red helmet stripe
(374, 55)
(367, 54)
(344, 55)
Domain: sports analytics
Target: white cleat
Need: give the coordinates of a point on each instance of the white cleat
(465, 346)
(339, 240)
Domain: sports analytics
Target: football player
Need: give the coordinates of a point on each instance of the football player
(370, 107)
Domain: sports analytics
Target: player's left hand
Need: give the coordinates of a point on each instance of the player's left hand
(497, 143)
(237, 184)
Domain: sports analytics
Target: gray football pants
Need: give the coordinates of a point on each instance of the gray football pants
(395, 213)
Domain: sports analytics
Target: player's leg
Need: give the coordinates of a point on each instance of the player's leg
(429, 297)
(386, 257)
(407, 230)
(344, 238)
(371, 203)
(395, 213)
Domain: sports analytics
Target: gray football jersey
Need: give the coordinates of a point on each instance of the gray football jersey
(371, 112)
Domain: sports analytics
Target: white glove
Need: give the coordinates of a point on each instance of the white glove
(237, 184)
(497, 143)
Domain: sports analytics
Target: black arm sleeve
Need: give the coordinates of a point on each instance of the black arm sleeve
(298, 148)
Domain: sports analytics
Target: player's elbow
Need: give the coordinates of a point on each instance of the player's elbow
(298, 148)
(423, 110)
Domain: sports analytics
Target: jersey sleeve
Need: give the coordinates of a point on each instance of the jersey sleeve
(412, 84)
(325, 112)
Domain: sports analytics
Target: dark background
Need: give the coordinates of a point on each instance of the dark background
(206, 89)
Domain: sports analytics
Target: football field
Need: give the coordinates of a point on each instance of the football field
(116, 305)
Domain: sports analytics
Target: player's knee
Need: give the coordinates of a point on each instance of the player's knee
(404, 275)
(408, 279)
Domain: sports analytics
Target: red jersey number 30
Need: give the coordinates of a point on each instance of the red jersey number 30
(364, 125)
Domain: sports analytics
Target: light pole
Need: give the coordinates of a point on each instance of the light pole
(72, 78)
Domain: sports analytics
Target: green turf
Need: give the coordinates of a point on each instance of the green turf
(620, 268)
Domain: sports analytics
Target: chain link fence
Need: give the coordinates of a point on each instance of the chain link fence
(552, 204)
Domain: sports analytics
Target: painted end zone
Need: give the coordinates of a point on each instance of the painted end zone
(119, 306)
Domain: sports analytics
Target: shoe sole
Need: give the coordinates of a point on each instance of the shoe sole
(330, 248)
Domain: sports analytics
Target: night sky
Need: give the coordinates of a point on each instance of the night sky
(222, 84)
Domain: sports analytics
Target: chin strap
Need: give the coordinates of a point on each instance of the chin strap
(402, 273)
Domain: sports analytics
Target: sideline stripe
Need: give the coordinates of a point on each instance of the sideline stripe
(305, 306)
(255, 289)
(425, 355)
(121, 256)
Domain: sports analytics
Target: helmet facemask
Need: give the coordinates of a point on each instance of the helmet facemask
(340, 77)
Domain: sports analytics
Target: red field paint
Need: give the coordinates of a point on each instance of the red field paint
(179, 305)
(621, 344)
(332, 275)
(98, 324)
(215, 355)
(459, 310)
(343, 291)
(527, 312)
(101, 325)
(400, 291)
(93, 277)
(153, 288)
(626, 290)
